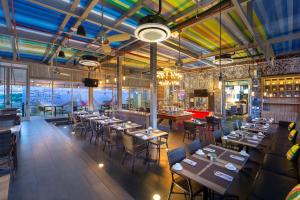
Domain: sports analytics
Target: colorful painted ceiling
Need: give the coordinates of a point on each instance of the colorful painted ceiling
(37, 30)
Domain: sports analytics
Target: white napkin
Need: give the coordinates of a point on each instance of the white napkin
(230, 166)
(244, 153)
(145, 137)
(225, 137)
(177, 167)
(223, 176)
(209, 150)
(252, 141)
(237, 157)
(190, 162)
(255, 137)
(200, 152)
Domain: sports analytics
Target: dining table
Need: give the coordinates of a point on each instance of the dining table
(214, 174)
(245, 138)
(125, 126)
(253, 127)
(109, 121)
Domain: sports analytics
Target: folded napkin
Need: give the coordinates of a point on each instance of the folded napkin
(177, 167)
(252, 141)
(223, 176)
(145, 137)
(225, 137)
(190, 162)
(237, 157)
(244, 153)
(209, 150)
(200, 152)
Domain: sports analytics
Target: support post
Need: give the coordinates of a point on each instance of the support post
(153, 85)
(7, 87)
(119, 82)
(27, 101)
(91, 99)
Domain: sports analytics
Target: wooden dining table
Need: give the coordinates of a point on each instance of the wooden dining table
(210, 173)
(125, 126)
(255, 127)
(245, 138)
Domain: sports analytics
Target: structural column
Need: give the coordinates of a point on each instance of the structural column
(7, 87)
(91, 99)
(153, 84)
(119, 82)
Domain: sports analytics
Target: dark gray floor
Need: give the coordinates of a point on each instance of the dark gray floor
(55, 164)
(52, 167)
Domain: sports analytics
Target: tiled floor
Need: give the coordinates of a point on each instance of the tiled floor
(52, 167)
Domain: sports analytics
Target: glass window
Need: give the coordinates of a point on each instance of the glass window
(40, 97)
(62, 97)
(80, 97)
(2, 88)
(125, 98)
(102, 98)
(135, 99)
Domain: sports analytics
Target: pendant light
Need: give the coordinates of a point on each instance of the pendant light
(220, 63)
(179, 61)
(152, 28)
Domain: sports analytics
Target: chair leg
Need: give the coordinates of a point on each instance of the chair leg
(123, 159)
(91, 137)
(132, 167)
(104, 146)
(171, 190)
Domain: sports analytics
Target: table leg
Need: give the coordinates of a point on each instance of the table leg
(54, 111)
(171, 125)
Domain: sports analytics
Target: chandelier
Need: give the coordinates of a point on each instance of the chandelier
(168, 77)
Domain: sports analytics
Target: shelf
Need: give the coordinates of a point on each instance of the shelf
(281, 103)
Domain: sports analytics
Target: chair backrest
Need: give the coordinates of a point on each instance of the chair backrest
(5, 142)
(235, 126)
(176, 155)
(209, 119)
(226, 131)
(194, 146)
(128, 143)
(188, 126)
(217, 136)
(7, 120)
(238, 123)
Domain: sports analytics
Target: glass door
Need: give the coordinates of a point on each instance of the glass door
(13, 88)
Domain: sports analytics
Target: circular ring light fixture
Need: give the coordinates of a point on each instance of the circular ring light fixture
(89, 61)
(152, 32)
(152, 28)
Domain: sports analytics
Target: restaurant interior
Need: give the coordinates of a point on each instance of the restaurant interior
(149, 99)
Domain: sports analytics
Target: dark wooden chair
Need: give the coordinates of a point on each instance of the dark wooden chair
(190, 130)
(7, 152)
(109, 139)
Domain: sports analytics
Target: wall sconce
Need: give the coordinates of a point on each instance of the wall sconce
(124, 78)
(252, 94)
(192, 100)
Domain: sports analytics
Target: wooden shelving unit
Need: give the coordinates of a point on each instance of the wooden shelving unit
(281, 98)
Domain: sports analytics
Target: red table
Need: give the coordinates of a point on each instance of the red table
(200, 114)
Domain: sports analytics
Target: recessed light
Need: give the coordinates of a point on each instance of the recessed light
(101, 165)
(156, 197)
(73, 132)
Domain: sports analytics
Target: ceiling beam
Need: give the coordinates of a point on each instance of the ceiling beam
(9, 25)
(61, 28)
(247, 20)
(83, 16)
(130, 12)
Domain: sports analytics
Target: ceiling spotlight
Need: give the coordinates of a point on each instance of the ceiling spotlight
(61, 54)
(101, 165)
(152, 28)
(89, 61)
(81, 30)
(156, 197)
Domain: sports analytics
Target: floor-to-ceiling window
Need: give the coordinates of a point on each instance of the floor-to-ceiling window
(2, 88)
(102, 98)
(80, 97)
